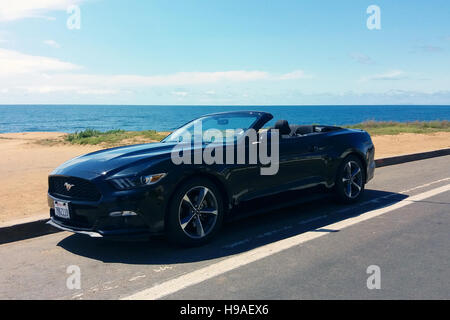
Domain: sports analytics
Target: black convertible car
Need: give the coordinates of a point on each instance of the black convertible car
(140, 190)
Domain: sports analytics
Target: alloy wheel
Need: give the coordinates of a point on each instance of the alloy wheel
(352, 179)
(198, 212)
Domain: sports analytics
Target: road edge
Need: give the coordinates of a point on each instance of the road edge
(21, 231)
(390, 161)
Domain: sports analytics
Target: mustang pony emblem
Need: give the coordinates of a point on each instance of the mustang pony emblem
(68, 186)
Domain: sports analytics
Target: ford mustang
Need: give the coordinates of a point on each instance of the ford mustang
(156, 188)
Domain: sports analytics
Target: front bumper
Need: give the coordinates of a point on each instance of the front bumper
(119, 234)
(61, 227)
(370, 164)
(93, 217)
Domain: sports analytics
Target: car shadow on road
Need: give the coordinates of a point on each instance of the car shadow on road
(236, 237)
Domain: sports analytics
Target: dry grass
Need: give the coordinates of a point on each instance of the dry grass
(393, 128)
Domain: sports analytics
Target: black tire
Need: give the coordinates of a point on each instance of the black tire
(187, 218)
(346, 186)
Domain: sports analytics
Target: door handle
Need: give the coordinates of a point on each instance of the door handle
(314, 148)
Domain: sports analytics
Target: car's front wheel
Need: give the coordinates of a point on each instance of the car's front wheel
(195, 213)
(350, 180)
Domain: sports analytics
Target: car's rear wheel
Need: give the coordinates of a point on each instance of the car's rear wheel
(350, 180)
(195, 213)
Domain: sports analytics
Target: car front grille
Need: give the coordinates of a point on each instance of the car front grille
(80, 189)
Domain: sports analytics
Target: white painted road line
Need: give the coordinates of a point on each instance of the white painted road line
(425, 185)
(192, 278)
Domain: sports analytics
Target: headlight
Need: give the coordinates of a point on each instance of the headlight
(152, 179)
(134, 182)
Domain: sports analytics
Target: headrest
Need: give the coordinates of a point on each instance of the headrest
(283, 127)
(304, 129)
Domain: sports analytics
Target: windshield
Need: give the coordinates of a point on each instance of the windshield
(211, 128)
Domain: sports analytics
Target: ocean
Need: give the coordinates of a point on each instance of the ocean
(71, 118)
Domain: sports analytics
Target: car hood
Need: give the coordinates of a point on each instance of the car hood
(111, 161)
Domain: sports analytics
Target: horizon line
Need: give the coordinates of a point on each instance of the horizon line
(222, 105)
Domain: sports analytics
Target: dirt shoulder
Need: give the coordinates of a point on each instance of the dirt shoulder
(27, 159)
(407, 143)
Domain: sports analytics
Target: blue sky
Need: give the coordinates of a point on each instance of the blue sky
(248, 52)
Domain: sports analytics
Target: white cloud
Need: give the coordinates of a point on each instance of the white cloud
(390, 75)
(13, 62)
(34, 77)
(48, 89)
(191, 78)
(52, 43)
(294, 75)
(19, 9)
(97, 91)
(180, 93)
(430, 49)
(39, 75)
(361, 58)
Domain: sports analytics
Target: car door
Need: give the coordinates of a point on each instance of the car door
(302, 164)
(306, 160)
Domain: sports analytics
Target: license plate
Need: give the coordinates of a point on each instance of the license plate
(62, 209)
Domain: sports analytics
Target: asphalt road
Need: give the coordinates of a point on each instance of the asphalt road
(319, 250)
